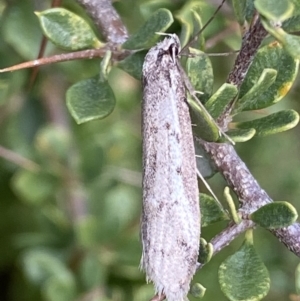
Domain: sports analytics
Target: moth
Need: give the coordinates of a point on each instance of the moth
(170, 223)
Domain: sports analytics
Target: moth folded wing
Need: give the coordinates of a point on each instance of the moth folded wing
(170, 221)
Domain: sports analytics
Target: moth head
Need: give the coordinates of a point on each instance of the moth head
(170, 45)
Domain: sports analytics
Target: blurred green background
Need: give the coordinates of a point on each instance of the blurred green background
(69, 217)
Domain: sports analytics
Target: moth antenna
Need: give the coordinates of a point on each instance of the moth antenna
(194, 39)
(208, 187)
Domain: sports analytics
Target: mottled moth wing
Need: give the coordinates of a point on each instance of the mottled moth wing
(170, 226)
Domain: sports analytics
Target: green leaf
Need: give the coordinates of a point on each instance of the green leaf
(147, 35)
(220, 99)
(67, 30)
(197, 26)
(133, 64)
(250, 10)
(292, 24)
(40, 265)
(289, 42)
(241, 135)
(203, 125)
(90, 99)
(190, 18)
(34, 188)
(149, 7)
(271, 56)
(200, 73)
(198, 290)
(243, 276)
(239, 8)
(105, 66)
(19, 26)
(266, 79)
(86, 232)
(275, 215)
(92, 272)
(280, 11)
(272, 124)
(231, 206)
(211, 211)
(58, 289)
(53, 142)
(206, 251)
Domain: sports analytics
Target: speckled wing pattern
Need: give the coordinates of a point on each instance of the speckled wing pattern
(170, 225)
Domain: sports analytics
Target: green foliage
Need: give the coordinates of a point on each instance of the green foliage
(220, 99)
(198, 290)
(206, 251)
(133, 64)
(272, 124)
(260, 89)
(203, 84)
(204, 127)
(90, 99)
(190, 19)
(147, 36)
(241, 135)
(67, 30)
(211, 211)
(280, 12)
(44, 268)
(275, 215)
(243, 276)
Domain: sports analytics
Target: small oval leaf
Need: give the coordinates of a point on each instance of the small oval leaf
(271, 56)
(58, 289)
(266, 79)
(133, 64)
(90, 99)
(243, 276)
(241, 135)
(272, 124)
(40, 265)
(147, 35)
(206, 251)
(279, 12)
(275, 215)
(203, 125)
(189, 16)
(239, 8)
(53, 142)
(197, 290)
(290, 43)
(231, 206)
(34, 188)
(67, 30)
(220, 99)
(211, 211)
(200, 73)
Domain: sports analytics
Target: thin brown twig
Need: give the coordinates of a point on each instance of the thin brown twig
(251, 196)
(35, 70)
(18, 159)
(63, 57)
